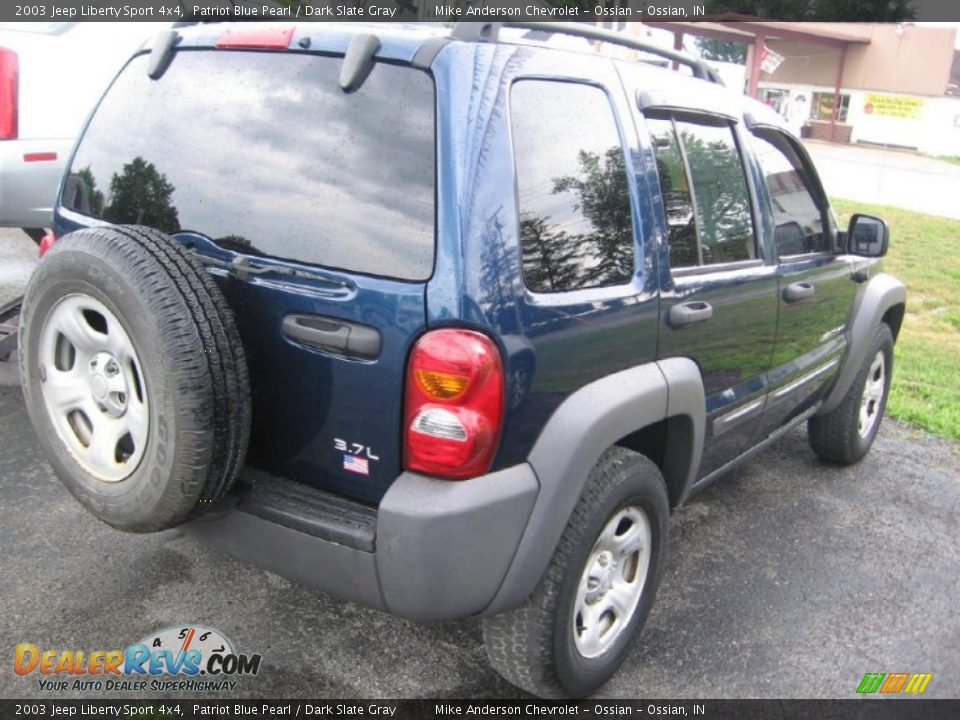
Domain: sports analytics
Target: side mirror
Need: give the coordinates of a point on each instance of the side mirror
(868, 236)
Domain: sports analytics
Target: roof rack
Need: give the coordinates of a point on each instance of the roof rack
(490, 32)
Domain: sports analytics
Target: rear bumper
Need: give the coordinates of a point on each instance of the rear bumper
(28, 190)
(441, 549)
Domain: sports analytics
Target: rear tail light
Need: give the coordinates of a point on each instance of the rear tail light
(9, 81)
(454, 404)
(46, 242)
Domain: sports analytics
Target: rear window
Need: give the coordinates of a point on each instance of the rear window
(263, 153)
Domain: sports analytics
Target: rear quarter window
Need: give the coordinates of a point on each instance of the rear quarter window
(576, 222)
(266, 155)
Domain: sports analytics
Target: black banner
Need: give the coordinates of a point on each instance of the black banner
(477, 10)
(427, 709)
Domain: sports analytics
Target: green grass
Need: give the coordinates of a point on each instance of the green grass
(925, 254)
(949, 158)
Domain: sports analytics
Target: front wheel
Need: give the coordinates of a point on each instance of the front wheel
(846, 433)
(576, 629)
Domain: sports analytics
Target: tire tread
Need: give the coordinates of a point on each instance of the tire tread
(519, 642)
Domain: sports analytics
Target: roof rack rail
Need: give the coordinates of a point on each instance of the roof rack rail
(490, 31)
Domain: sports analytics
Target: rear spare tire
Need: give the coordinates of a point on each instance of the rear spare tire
(134, 377)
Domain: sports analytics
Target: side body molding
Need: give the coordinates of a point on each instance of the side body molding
(875, 298)
(587, 423)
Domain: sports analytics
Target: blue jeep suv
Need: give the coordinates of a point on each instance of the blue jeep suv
(445, 323)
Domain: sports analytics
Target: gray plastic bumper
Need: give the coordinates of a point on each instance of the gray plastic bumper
(442, 548)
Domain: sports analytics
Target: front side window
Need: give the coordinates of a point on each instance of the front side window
(798, 219)
(266, 155)
(576, 224)
(701, 170)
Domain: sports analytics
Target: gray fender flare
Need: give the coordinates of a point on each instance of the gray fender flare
(588, 422)
(875, 298)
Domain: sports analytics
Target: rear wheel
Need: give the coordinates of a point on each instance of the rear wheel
(846, 434)
(576, 629)
(134, 376)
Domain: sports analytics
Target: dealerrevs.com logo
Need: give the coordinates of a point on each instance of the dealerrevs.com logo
(187, 658)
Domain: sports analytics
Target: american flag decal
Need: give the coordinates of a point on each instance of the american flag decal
(357, 464)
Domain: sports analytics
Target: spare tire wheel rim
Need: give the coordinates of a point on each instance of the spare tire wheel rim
(612, 581)
(93, 387)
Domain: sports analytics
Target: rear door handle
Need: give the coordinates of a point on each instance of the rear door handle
(795, 292)
(689, 312)
(339, 336)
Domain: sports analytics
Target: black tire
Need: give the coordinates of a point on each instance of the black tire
(835, 436)
(193, 366)
(533, 646)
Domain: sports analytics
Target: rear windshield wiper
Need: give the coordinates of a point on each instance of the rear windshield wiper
(243, 267)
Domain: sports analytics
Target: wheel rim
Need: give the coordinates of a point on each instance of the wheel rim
(93, 387)
(872, 399)
(612, 582)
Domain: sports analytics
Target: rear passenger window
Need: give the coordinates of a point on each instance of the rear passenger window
(799, 220)
(705, 193)
(576, 226)
(677, 200)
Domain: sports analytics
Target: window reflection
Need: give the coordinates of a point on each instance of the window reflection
(720, 189)
(677, 201)
(576, 225)
(798, 218)
(278, 162)
(719, 200)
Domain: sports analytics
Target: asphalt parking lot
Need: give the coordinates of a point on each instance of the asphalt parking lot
(788, 579)
(18, 256)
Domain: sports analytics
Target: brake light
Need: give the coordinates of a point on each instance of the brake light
(257, 38)
(454, 404)
(9, 81)
(46, 242)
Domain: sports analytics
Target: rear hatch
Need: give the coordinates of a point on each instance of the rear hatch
(313, 207)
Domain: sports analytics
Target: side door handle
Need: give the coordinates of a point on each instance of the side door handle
(689, 312)
(795, 292)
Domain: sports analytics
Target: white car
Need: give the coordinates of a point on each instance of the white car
(51, 75)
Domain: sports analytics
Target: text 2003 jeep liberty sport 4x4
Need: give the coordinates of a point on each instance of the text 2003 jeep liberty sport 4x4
(444, 324)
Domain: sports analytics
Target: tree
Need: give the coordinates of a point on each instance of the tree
(90, 200)
(596, 248)
(551, 258)
(721, 50)
(604, 199)
(721, 198)
(822, 10)
(140, 195)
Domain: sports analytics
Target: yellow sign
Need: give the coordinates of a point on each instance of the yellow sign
(893, 106)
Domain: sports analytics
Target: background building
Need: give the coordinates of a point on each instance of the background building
(893, 84)
(898, 88)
